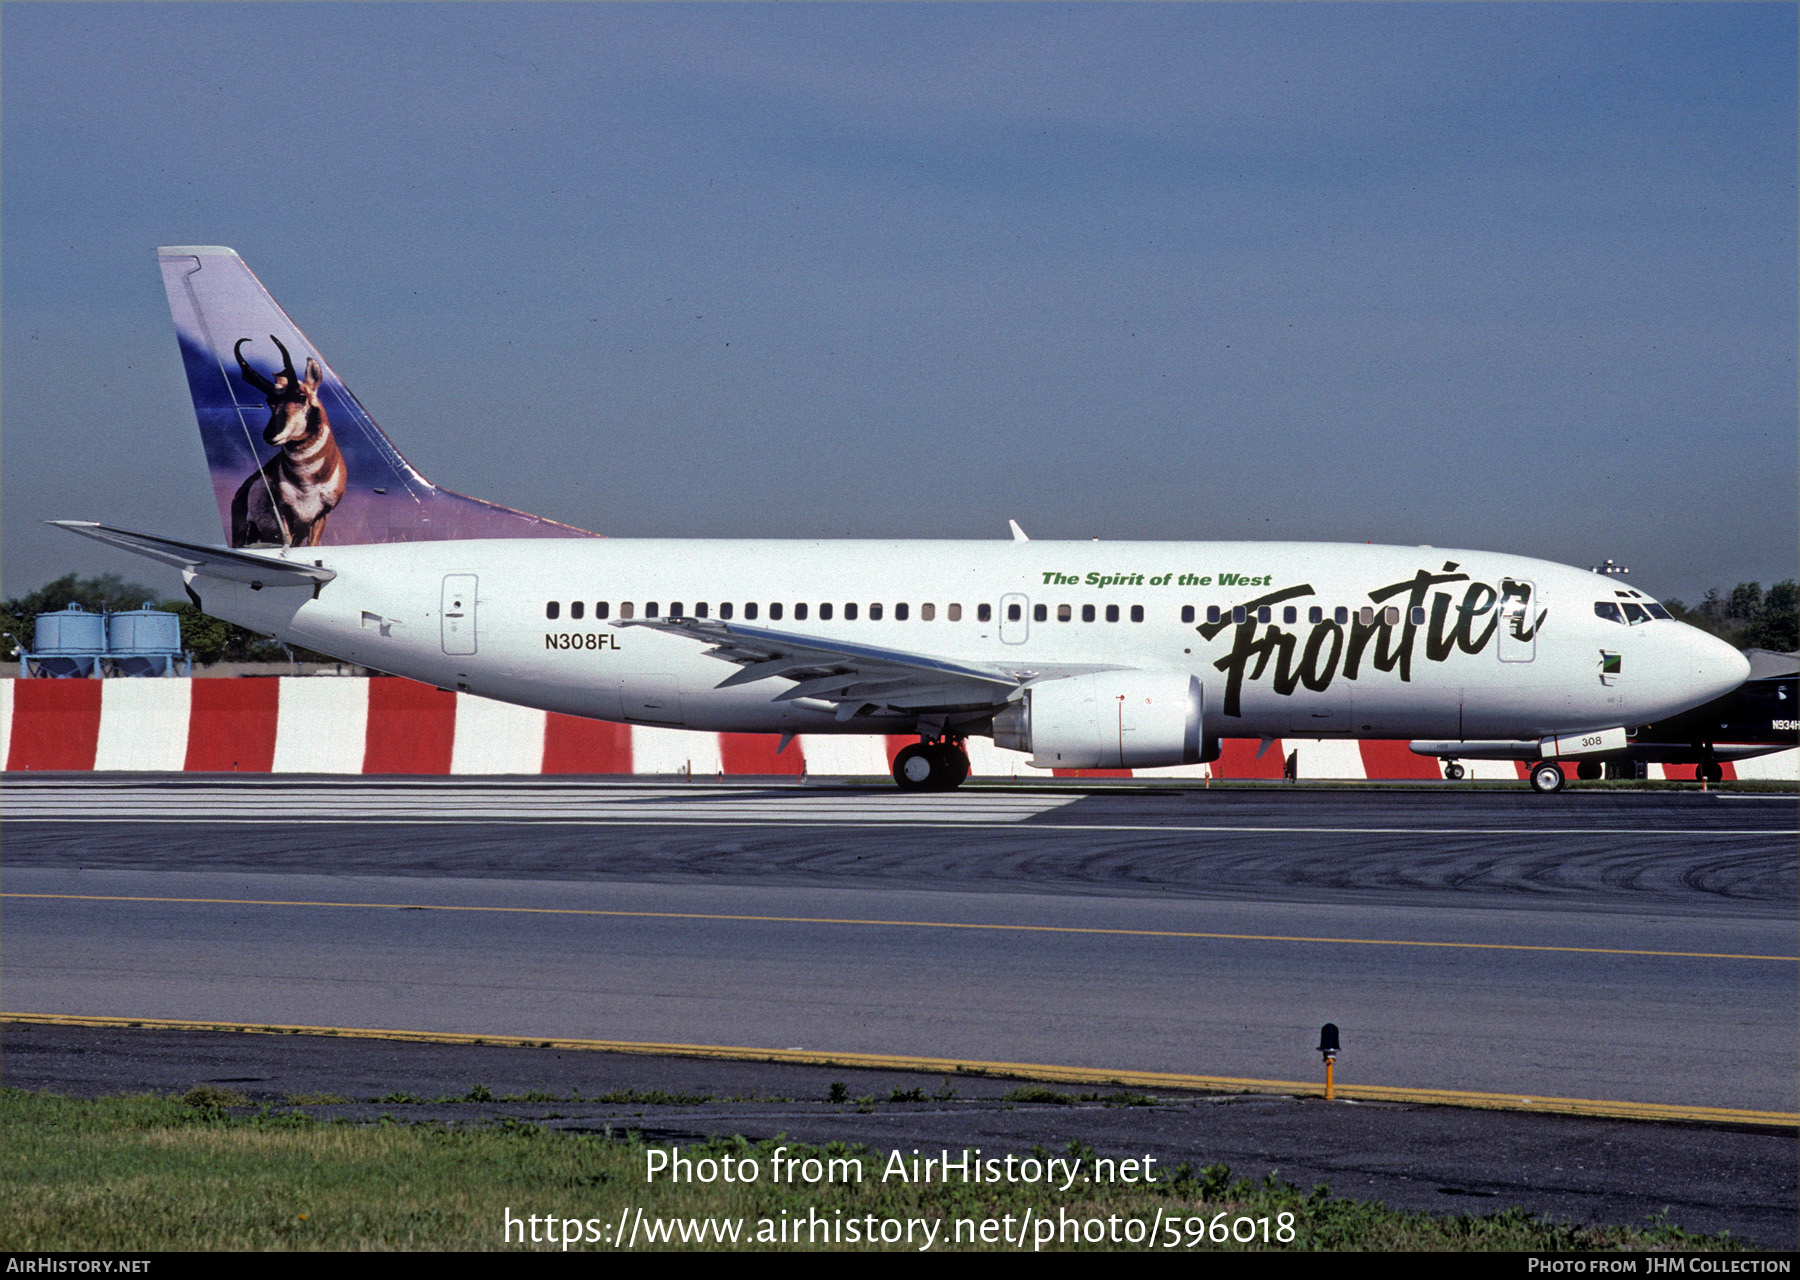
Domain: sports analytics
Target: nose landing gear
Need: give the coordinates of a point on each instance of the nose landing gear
(1546, 777)
(931, 766)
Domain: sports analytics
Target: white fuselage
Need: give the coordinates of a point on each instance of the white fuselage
(1479, 645)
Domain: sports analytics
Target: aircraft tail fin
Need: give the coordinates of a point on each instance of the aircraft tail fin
(295, 458)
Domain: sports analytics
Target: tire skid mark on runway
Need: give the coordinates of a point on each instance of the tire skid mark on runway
(900, 924)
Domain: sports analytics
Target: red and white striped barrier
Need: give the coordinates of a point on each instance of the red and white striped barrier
(386, 725)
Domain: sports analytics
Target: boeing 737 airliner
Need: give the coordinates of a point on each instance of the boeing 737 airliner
(1085, 654)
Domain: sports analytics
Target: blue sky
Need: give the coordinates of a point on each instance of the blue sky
(1517, 276)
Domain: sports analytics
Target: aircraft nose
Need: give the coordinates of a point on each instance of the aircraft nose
(1718, 668)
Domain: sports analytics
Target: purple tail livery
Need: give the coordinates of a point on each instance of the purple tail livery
(295, 459)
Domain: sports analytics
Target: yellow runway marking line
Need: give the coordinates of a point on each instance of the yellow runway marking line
(1599, 1107)
(905, 924)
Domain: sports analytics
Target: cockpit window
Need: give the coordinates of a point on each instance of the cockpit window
(1608, 610)
(1634, 613)
(1657, 611)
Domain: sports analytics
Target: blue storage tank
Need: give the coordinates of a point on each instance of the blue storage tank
(148, 630)
(143, 642)
(69, 642)
(74, 642)
(70, 631)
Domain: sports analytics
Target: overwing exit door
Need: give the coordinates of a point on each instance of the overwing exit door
(458, 613)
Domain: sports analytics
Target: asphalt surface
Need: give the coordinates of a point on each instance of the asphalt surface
(1605, 944)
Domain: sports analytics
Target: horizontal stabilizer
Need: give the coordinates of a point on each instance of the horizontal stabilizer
(216, 562)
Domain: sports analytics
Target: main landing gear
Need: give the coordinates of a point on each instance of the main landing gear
(931, 766)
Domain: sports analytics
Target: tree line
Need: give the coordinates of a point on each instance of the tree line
(1748, 616)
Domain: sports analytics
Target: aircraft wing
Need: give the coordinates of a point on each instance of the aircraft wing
(855, 677)
(219, 562)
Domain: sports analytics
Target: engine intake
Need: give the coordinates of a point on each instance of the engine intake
(1110, 720)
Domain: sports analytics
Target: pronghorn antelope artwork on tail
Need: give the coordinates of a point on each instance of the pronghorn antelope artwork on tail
(331, 459)
(285, 501)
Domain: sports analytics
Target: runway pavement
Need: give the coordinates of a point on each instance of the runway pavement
(1635, 946)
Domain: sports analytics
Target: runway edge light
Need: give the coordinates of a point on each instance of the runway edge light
(1328, 1048)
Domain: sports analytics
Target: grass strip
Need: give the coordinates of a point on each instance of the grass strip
(143, 1173)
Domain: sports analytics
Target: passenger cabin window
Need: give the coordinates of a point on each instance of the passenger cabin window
(1315, 614)
(700, 609)
(750, 611)
(627, 610)
(1391, 615)
(900, 612)
(675, 610)
(800, 613)
(650, 609)
(1340, 615)
(1418, 615)
(824, 613)
(552, 609)
(850, 613)
(602, 609)
(1212, 613)
(1064, 613)
(1290, 614)
(1137, 613)
(1014, 613)
(927, 612)
(1112, 613)
(875, 613)
(1238, 613)
(1187, 613)
(1087, 613)
(725, 609)
(984, 613)
(1366, 615)
(577, 608)
(1264, 614)
(775, 613)
(1040, 613)
(956, 613)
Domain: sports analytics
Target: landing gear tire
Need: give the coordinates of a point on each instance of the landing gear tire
(1709, 771)
(918, 768)
(936, 766)
(1453, 772)
(1546, 777)
(955, 762)
(1589, 770)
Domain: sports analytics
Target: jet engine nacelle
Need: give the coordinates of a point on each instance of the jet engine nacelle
(1109, 720)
